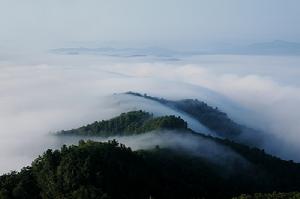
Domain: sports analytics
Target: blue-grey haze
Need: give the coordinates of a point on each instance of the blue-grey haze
(170, 23)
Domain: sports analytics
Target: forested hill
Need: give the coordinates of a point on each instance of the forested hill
(110, 170)
(134, 122)
(137, 122)
(211, 117)
(98, 170)
(140, 122)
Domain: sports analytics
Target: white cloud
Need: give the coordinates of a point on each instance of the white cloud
(67, 92)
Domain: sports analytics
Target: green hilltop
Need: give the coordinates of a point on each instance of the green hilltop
(134, 122)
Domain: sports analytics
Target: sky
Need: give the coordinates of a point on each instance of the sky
(179, 23)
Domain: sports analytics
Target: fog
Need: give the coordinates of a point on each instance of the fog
(46, 93)
(184, 142)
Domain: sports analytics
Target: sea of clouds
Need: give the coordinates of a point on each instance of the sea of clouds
(47, 93)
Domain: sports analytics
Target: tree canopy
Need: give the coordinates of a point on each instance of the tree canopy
(112, 170)
(133, 122)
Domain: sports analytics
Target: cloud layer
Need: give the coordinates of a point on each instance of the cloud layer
(59, 92)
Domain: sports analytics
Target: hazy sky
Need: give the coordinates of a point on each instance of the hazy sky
(149, 21)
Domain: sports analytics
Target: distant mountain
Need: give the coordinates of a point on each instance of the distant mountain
(211, 117)
(277, 47)
(124, 52)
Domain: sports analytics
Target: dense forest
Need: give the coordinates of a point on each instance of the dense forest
(112, 170)
(138, 122)
(134, 122)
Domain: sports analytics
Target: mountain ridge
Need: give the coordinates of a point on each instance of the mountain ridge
(110, 170)
(130, 123)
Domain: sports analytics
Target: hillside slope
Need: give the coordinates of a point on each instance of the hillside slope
(111, 170)
(134, 122)
(211, 117)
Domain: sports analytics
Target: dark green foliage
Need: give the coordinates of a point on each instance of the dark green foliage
(19, 185)
(90, 170)
(134, 122)
(111, 170)
(274, 195)
(282, 175)
(212, 118)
